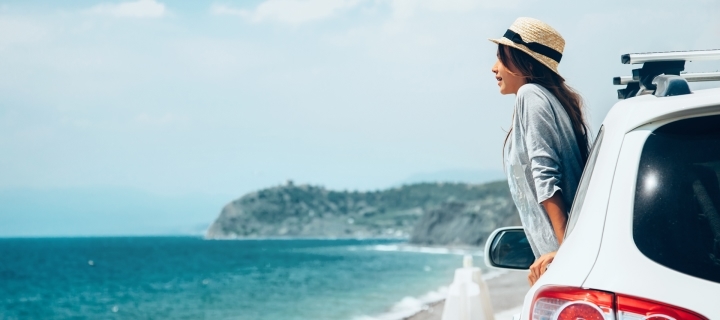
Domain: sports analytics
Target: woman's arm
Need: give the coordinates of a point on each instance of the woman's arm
(555, 208)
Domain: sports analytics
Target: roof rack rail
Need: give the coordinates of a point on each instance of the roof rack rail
(693, 55)
(659, 63)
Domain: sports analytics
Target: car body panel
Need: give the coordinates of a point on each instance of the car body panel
(600, 253)
(632, 113)
(622, 268)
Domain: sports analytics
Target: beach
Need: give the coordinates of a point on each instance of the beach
(507, 293)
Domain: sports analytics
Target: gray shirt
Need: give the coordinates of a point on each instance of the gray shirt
(542, 157)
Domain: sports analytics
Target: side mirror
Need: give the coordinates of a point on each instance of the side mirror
(509, 248)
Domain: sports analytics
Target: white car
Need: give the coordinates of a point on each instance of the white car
(643, 236)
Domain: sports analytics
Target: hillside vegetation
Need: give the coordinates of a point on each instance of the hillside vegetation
(427, 213)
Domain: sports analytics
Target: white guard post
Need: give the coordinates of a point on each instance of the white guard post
(468, 297)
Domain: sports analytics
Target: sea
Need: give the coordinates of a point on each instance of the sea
(193, 278)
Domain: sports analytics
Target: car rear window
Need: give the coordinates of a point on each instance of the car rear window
(676, 219)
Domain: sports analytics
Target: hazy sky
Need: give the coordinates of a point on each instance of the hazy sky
(223, 97)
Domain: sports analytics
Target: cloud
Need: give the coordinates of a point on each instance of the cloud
(301, 11)
(133, 9)
(288, 11)
(406, 8)
(223, 10)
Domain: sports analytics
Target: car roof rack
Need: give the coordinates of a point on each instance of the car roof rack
(688, 76)
(654, 64)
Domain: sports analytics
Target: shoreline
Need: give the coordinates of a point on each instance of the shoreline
(507, 293)
(406, 239)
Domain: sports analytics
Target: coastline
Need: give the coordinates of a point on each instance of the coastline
(507, 288)
(507, 292)
(253, 238)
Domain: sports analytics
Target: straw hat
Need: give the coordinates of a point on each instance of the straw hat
(537, 39)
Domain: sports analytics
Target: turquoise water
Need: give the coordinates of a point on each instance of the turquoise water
(191, 278)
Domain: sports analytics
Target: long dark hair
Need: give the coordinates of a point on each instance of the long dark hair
(536, 72)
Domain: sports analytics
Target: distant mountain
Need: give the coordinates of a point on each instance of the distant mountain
(427, 213)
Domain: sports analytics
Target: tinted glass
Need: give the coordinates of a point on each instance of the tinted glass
(676, 218)
(584, 182)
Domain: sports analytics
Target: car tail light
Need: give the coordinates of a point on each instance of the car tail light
(631, 308)
(569, 303)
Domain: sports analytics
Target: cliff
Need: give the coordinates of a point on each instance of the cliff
(428, 213)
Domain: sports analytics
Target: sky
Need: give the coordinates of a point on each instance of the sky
(167, 110)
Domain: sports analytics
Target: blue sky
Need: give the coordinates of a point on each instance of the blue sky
(203, 101)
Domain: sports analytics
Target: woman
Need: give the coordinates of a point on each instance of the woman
(547, 145)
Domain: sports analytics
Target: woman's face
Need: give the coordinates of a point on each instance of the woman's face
(509, 79)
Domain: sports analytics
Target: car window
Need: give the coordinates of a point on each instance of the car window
(583, 185)
(676, 218)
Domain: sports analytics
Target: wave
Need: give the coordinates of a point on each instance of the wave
(431, 250)
(290, 238)
(409, 306)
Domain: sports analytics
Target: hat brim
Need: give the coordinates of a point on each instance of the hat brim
(550, 63)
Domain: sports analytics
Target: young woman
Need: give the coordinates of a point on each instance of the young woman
(547, 146)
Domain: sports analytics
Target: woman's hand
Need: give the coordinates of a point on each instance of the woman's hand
(540, 266)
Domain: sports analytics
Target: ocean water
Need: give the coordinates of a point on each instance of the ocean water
(192, 278)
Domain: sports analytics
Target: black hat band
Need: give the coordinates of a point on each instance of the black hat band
(534, 46)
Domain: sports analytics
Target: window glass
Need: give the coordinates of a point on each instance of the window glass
(676, 218)
(583, 185)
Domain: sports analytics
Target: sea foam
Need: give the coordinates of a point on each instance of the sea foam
(421, 249)
(409, 306)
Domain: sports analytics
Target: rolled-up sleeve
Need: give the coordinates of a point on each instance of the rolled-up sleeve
(541, 141)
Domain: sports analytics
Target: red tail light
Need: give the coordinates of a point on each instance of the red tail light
(562, 303)
(569, 303)
(636, 308)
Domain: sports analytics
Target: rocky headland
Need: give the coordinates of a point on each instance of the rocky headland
(426, 213)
